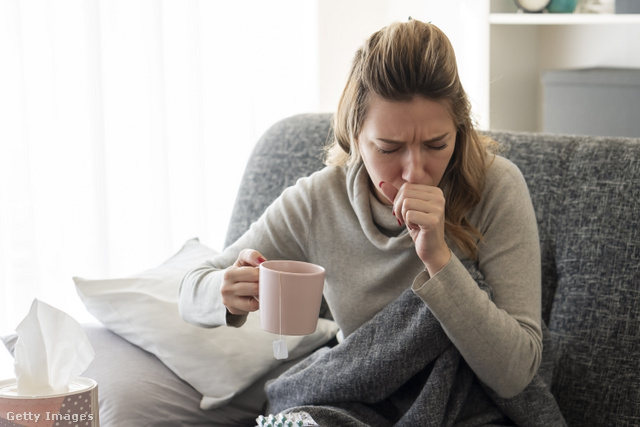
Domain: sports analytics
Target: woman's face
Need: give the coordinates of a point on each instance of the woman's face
(406, 141)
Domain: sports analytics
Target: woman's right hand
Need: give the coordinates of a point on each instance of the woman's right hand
(240, 291)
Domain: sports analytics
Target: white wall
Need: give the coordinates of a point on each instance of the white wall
(345, 25)
(342, 27)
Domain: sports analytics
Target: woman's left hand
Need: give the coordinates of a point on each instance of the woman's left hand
(422, 208)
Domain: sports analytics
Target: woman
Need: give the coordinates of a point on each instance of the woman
(410, 192)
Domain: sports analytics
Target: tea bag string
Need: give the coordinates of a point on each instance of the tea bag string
(280, 346)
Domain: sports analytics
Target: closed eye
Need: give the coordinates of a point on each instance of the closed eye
(437, 143)
(383, 151)
(438, 147)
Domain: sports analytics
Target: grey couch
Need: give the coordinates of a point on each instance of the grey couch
(586, 192)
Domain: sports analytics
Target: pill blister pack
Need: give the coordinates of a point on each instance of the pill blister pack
(292, 419)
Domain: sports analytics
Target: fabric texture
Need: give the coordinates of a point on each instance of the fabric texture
(586, 193)
(543, 161)
(596, 312)
(220, 362)
(401, 369)
(290, 149)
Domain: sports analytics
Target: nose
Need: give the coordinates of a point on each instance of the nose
(413, 168)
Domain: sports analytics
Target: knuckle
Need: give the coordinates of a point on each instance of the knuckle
(227, 276)
(226, 292)
(226, 301)
(248, 254)
(243, 256)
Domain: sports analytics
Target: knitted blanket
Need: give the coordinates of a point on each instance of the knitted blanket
(400, 368)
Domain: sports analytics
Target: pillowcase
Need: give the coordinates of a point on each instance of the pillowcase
(219, 362)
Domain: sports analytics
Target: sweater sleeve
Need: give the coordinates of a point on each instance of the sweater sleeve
(501, 340)
(280, 233)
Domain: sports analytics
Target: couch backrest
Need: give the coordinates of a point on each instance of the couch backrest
(543, 162)
(586, 193)
(290, 149)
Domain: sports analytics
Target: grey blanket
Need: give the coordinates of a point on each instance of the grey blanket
(400, 368)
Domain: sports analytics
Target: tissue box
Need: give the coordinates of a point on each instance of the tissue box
(78, 406)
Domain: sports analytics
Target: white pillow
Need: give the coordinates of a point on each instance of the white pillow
(218, 362)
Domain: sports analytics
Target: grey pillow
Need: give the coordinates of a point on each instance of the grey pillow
(136, 389)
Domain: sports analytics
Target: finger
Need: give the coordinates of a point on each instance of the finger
(388, 190)
(243, 305)
(250, 257)
(246, 274)
(412, 211)
(240, 296)
(419, 220)
(421, 192)
(432, 196)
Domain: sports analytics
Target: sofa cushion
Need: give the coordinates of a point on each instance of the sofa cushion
(543, 161)
(595, 318)
(290, 149)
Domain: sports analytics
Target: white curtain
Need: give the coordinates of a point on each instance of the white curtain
(124, 128)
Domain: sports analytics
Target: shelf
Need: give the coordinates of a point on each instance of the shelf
(520, 47)
(562, 18)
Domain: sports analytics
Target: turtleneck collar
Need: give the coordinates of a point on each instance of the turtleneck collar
(376, 220)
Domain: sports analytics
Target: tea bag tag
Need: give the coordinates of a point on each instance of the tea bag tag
(280, 349)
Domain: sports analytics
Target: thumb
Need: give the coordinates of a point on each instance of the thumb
(389, 191)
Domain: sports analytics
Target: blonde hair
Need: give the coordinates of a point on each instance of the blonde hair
(399, 62)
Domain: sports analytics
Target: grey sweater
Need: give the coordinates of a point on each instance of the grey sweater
(332, 219)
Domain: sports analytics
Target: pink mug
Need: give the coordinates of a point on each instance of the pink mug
(290, 296)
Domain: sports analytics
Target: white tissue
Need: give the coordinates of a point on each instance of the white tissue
(52, 350)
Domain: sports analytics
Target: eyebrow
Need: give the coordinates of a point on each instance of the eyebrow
(428, 141)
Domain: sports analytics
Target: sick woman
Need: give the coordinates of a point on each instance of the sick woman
(415, 206)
